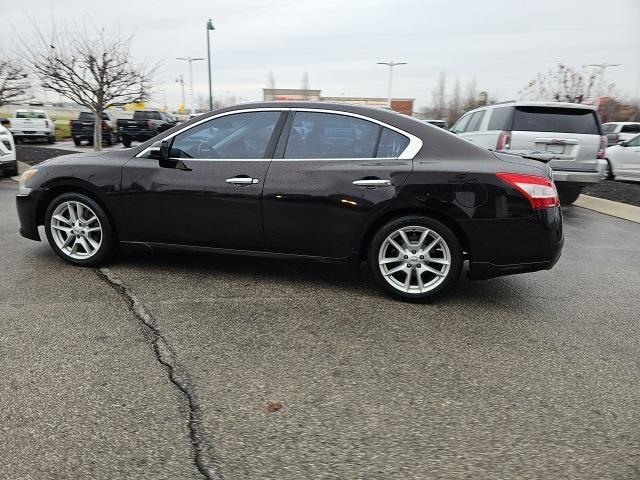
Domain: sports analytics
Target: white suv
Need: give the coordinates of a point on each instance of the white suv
(617, 132)
(571, 132)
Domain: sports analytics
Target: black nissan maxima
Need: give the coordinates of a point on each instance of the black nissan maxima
(304, 180)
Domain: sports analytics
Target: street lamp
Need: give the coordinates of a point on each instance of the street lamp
(191, 60)
(180, 80)
(210, 27)
(391, 65)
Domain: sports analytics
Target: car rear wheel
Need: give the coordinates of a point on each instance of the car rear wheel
(569, 195)
(415, 258)
(126, 141)
(51, 139)
(78, 230)
(77, 141)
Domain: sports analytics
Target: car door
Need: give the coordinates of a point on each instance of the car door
(332, 171)
(628, 158)
(210, 192)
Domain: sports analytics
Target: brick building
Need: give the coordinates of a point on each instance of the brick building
(400, 105)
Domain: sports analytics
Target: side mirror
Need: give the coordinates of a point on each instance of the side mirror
(160, 151)
(622, 143)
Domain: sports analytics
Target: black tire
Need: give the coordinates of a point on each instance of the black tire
(451, 241)
(126, 141)
(609, 174)
(51, 139)
(568, 195)
(107, 140)
(12, 172)
(108, 245)
(77, 141)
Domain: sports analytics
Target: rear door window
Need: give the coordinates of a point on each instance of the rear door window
(555, 119)
(392, 144)
(609, 128)
(499, 119)
(330, 135)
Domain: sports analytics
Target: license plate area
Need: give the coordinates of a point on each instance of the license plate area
(554, 148)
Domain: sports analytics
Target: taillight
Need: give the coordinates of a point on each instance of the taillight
(541, 192)
(46, 123)
(504, 140)
(603, 146)
(70, 123)
(104, 125)
(149, 124)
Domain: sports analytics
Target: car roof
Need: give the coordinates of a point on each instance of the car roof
(621, 123)
(527, 103)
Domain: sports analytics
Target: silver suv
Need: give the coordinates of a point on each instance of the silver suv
(571, 132)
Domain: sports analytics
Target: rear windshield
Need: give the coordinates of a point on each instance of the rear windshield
(30, 115)
(609, 128)
(143, 115)
(90, 116)
(554, 119)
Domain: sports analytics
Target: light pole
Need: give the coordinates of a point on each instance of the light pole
(391, 65)
(191, 60)
(180, 80)
(210, 27)
(602, 67)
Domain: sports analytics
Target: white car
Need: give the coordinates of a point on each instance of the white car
(570, 132)
(8, 164)
(617, 132)
(624, 160)
(34, 124)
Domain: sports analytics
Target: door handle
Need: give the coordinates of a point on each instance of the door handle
(242, 180)
(372, 182)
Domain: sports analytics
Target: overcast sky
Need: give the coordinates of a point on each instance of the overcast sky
(503, 43)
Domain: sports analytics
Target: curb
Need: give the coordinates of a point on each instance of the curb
(609, 207)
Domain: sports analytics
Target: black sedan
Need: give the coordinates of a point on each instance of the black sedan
(305, 180)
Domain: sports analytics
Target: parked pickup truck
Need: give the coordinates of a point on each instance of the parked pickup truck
(82, 128)
(32, 124)
(144, 125)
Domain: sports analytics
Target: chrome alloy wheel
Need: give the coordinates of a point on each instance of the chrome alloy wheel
(414, 259)
(76, 230)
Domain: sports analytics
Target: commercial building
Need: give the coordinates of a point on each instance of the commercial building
(400, 105)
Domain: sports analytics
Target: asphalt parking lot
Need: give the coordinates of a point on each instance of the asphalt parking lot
(175, 366)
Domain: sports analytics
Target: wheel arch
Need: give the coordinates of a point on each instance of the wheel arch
(365, 241)
(75, 186)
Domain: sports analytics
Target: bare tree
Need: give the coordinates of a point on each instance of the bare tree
(562, 84)
(471, 99)
(14, 82)
(439, 96)
(92, 69)
(453, 109)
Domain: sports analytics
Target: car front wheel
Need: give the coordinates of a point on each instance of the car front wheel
(415, 258)
(79, 230)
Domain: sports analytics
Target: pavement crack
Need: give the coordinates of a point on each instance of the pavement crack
(203, 452)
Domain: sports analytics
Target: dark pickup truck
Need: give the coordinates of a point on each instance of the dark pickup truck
(82, 128)
(144, 125)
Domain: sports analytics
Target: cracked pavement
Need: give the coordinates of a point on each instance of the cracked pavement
(529, 376)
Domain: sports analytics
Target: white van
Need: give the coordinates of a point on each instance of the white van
(571, 132)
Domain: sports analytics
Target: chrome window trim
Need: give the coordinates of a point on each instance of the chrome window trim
(223, 114)
(415, 144)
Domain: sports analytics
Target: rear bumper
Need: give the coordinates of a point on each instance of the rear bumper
(514, 245)
(26, 205)
(585, 178)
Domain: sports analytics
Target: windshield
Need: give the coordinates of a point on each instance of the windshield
(30, 115)
(556, 119)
